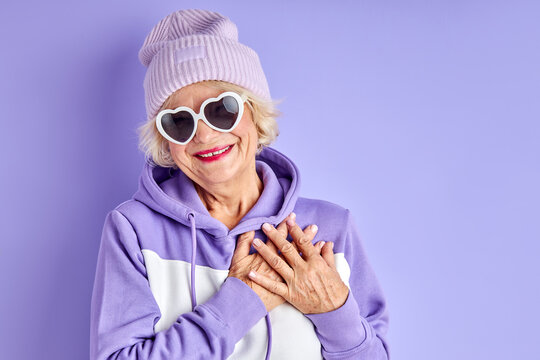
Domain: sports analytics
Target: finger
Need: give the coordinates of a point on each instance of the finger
(303, 238)
(287, 249)
(274, 249)
(319, 246)
(327, 254)
(243, 244)
(271, 246)
(274, 260)
(273, 286)
(282, 227)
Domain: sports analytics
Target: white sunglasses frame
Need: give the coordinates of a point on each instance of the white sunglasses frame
(200, 116)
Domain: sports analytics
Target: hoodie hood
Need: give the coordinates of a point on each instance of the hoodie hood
(173, 194)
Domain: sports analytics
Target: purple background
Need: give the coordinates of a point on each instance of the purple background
(434, 145)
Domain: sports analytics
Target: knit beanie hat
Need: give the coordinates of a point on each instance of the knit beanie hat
(193, 45)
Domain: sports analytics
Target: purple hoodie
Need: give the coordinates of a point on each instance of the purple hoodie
(149, 302)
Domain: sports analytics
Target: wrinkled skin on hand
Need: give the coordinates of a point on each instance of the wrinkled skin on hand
(309, 282)
(243, 263)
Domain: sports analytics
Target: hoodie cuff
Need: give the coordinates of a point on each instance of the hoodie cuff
(237, 306)
(342, 329)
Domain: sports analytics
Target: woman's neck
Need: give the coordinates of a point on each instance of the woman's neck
(229, 202)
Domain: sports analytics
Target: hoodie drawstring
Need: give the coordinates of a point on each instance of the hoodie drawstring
(269, 330)
(191, 218)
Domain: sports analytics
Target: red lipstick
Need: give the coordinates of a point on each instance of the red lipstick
(209, 158)
(211, 150)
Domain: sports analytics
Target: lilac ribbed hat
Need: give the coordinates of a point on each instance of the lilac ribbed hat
(193, 45)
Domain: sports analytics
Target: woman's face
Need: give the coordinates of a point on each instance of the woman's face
(230, 166)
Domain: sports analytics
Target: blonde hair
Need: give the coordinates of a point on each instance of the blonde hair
(264, 114)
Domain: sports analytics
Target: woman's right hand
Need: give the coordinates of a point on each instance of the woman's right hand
(242, 263)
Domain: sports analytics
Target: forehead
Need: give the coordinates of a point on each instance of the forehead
(192, 96)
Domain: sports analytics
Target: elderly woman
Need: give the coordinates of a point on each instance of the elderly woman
(216, 255)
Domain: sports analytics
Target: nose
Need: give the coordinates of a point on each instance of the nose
(204, 133)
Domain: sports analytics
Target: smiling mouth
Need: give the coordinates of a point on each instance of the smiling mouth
(213, 152)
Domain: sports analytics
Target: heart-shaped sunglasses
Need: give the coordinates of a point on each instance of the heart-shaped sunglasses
(221, 113)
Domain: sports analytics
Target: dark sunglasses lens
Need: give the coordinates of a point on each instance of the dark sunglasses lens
(222, 113)
(179, 126)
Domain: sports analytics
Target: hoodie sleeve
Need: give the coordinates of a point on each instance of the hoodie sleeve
(124, 311)
(356, 330)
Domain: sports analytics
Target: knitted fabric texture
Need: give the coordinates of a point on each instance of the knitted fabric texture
(194, 45)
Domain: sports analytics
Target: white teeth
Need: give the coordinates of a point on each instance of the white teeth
(215, 152)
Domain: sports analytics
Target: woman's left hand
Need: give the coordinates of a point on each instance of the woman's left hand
(312, 283)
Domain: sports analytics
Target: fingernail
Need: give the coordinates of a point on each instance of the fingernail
(293, 215)
(314, 228)
(322, 243)
(252, 274)
(332, 245)
(266, 226)
(290, 222)
(257, 242)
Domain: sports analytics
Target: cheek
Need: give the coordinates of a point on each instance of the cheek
(254, 134)
(249, 131)
(177, 151)
(248, 136)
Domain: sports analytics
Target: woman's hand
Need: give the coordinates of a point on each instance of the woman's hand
(312, 283)
(242, 263)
